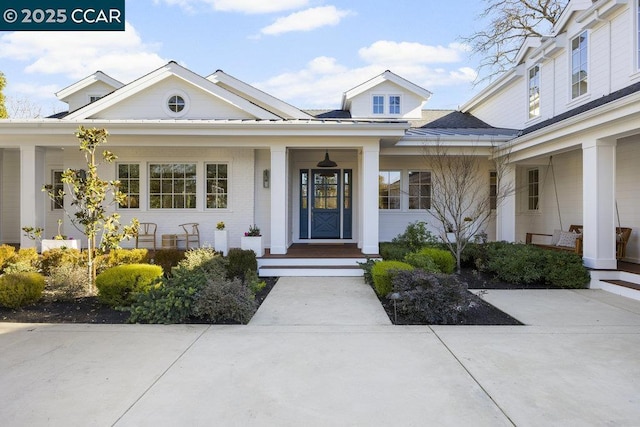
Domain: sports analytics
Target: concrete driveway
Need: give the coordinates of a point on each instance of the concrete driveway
(576, 362)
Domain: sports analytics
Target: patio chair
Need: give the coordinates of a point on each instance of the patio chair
(146, 234)
(191, 234)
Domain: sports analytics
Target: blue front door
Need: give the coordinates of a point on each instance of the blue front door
(325, 204)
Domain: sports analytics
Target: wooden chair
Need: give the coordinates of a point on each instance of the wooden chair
(191, 234)
(146, 234)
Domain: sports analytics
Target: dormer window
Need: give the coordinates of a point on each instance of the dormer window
(94, 98)
(378, 104)
(394, 104)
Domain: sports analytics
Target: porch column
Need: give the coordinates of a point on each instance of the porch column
(31, 196)
(278, 190)
(369, 199)
(506, 208)
(598, 192)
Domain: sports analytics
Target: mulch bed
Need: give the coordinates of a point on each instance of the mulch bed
(87, 310)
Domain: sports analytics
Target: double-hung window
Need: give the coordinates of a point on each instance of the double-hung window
(419, 190)
(378, 104)
(394, 104)
(579, 65)
(533, 186)
(389, 190)
(129, 177)
(172, 186)
(534, 91)
(217, 185)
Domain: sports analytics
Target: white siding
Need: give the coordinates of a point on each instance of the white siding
(81, 98)
(150, 104)
(509, 108)
(262, 195)
(410, 104)
(10, 205)
(628, 192)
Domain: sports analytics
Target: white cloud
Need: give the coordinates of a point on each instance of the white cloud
(390, 52)
(322, 81)
(241, 6)
(122, 55)
(306, 20)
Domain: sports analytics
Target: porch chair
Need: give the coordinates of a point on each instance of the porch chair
(146, 234)
(191, 234)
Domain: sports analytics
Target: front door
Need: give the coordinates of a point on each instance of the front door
(325, 204)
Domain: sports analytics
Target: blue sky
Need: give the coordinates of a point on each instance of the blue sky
(306, 52)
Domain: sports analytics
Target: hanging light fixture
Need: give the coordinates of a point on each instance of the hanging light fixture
(327, 162)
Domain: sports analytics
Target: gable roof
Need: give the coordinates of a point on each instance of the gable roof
(171, 69)
(386, 76)
(258, 97)
(98, 76)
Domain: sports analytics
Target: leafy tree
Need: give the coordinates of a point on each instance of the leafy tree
(510, 22)
(89, 195)
(3, 109)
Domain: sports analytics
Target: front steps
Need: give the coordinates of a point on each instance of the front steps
(621, 283)
(328, 267)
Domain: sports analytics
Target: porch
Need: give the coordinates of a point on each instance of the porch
(314, 259)
(625, 280)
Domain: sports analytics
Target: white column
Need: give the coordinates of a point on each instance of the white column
(31, 197)
(369, 218)
(278, 190)
(506, 209)
(598, 192)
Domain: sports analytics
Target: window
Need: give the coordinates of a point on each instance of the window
(129, 177)
(394, 104)
(493, 190)
(534, 92)
(217, 186)
(57, 188)
(579, 65)
(389, 190)
(176, 103)
(172, 186)
(378, 104)
(419, 190)
(94, 98)
(533, 184)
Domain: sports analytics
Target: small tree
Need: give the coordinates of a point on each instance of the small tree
(461, 201)
(89, 199)
(3, 108)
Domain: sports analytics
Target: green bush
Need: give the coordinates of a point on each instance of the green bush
(426, 298)
(68, 282)
(565, 270)
(225, 301)
(422, 261)
(254, 283)
(118, 285)
(416, 236)
(383, 272)
(240, 261)
(120, 256)
(20, 289)
(168, 258)
(390, 251)
(515, 263)
(7, 254)
(57, 257)
(443, 258)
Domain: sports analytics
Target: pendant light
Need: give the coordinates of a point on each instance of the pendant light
(327, 162)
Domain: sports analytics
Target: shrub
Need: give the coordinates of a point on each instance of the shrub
(7, 253)
(431, 298)
(383, 272)
(20, 289)
(565, 270)
(443, 259)
(422, 261)
(173, 300)
(416, 236)
(57, 257)
(119, 256)
(393, 251)
(515, 263)
(168, 258)
(28, 256)
(367, 266)
(240, 261)
(20, 267)
(117, 285)
(224, 300)
(254, 283)
(68, 282)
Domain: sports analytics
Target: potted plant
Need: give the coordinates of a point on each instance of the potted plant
(221, 238)
(58, 241)
(252, 240)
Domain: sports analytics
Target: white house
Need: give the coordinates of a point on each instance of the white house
(209, 149)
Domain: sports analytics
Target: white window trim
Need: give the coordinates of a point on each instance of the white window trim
(94, 95)
(229, 186)
(198, 192)
(140, 184)
(402, 190)
(526, 198)
(408, 192)
(384, 104)
(580, 98)
(389, 105)
(183, 95)
(529, 117)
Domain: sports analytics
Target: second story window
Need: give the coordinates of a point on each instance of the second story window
(534, 92)
(579, 65)
(394, 104)
(378, 104)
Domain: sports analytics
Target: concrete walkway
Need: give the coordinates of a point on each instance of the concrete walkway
(575, 363)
